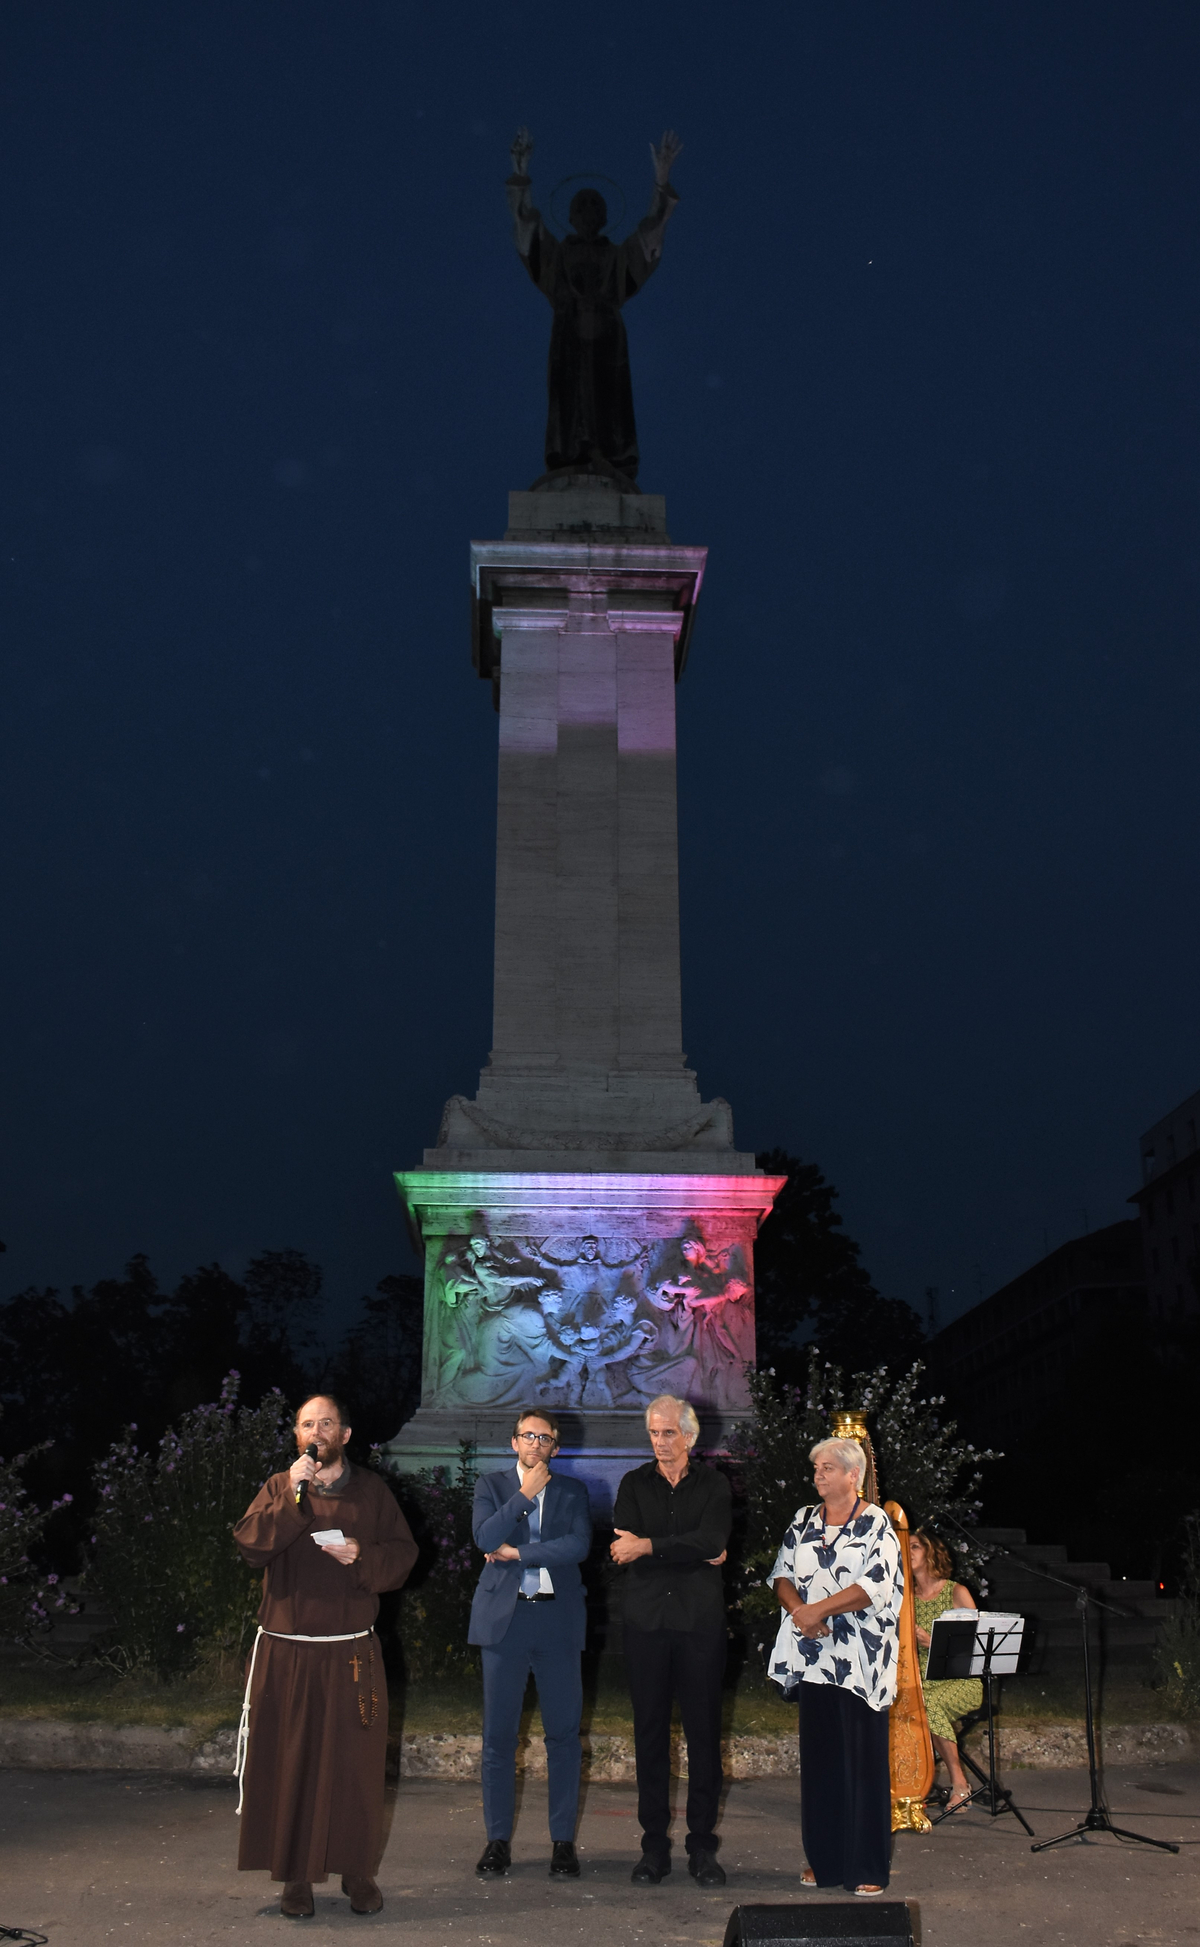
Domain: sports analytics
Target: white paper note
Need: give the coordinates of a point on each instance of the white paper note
(328, 1537)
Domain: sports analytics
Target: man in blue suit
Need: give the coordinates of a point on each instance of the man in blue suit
(529, 1614)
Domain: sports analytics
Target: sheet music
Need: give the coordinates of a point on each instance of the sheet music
(1007, 1631)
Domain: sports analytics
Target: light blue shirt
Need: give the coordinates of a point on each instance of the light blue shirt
(535, 1581)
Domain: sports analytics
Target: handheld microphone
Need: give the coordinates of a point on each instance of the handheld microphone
(311, 1452)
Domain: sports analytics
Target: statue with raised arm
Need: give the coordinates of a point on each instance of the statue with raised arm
(587, 278)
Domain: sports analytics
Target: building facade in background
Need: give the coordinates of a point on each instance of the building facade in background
(1007, 1361)
(1169, 1203)
(1012, 1360)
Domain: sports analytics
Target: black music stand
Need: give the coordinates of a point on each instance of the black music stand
(959, 1647)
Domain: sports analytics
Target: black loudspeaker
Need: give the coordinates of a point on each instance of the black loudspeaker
(821, 1924)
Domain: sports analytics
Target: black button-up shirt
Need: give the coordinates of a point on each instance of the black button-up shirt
(674, 1586)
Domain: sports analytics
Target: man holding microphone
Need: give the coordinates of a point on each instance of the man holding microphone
(330, 1539)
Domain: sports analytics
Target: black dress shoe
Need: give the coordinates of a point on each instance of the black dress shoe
(563, 1862)
(495, 1859)
(651, 1867)
(704, 1869)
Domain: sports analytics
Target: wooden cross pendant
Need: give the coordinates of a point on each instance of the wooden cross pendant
(356, 1662)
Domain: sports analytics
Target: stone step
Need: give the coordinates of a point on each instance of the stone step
(1052, 1613)
(1042, 1595)
(55, 1744)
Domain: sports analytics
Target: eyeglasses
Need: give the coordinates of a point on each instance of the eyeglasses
(538, 1439)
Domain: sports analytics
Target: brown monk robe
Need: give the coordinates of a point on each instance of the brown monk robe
(313, 1797)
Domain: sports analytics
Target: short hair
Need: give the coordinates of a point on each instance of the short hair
(937, 1555)
(535, 1413)
(848, 1454)
(689, 1425)
(334, 1401)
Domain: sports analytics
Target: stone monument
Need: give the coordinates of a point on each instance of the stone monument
(586, 1222)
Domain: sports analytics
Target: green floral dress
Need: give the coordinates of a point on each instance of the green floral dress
(950, 1697)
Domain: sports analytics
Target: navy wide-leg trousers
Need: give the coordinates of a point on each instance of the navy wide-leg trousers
(845, 1787)
(533, 1642)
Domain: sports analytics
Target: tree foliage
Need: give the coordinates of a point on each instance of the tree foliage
(128, 1351)
(30, 1600)
(162, 1552)
(435, 1605)
(377, 1366)
(922, 1461)
(810, 1282)
(1177, 1652)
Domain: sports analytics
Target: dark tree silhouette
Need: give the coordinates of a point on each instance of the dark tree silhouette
(283, 1294)
(77, 1370)
(377, 1367)
(810, 1283)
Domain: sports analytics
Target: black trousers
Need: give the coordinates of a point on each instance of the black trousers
(845, 1787)
(662, 1665)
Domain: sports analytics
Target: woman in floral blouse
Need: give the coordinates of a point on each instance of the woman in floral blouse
(839, 1581)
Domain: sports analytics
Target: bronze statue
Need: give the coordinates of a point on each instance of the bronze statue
(587, 278)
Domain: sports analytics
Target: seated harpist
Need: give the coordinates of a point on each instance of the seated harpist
(946, 1699)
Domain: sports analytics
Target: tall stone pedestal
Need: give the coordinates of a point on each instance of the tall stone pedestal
(587, 1223)
(590, 1292)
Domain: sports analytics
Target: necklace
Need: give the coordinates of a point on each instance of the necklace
(858, 1502)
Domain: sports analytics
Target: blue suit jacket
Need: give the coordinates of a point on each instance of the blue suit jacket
(501, 1513)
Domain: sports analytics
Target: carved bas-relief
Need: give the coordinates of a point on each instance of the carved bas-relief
(598, 1323)
(591, 1291)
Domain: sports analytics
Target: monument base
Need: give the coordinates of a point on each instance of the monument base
(588, 1293)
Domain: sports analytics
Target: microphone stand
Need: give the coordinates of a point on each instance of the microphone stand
(1097, 1818)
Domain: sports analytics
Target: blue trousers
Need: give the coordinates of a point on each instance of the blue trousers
(845, 1787)
(532, 1642)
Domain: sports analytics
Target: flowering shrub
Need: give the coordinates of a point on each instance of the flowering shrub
(435, 1605)
(29, 1600)
(921, 1462)
(1177, 1652)
(162, 1553)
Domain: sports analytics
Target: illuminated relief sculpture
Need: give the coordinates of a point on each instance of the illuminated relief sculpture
(589, 1322)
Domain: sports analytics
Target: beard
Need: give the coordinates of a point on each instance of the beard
(330, 1455)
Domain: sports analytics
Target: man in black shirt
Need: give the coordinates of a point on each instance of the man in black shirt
(672, 1521)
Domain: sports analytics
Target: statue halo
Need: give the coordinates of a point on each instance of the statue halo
(562, 193)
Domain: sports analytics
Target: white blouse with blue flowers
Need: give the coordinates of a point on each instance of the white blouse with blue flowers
(861, 1650)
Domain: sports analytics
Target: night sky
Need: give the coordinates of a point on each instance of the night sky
(919, 367)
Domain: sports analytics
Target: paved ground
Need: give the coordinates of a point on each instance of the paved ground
(106, 1857)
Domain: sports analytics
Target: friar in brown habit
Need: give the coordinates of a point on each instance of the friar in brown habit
(314, 1734)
